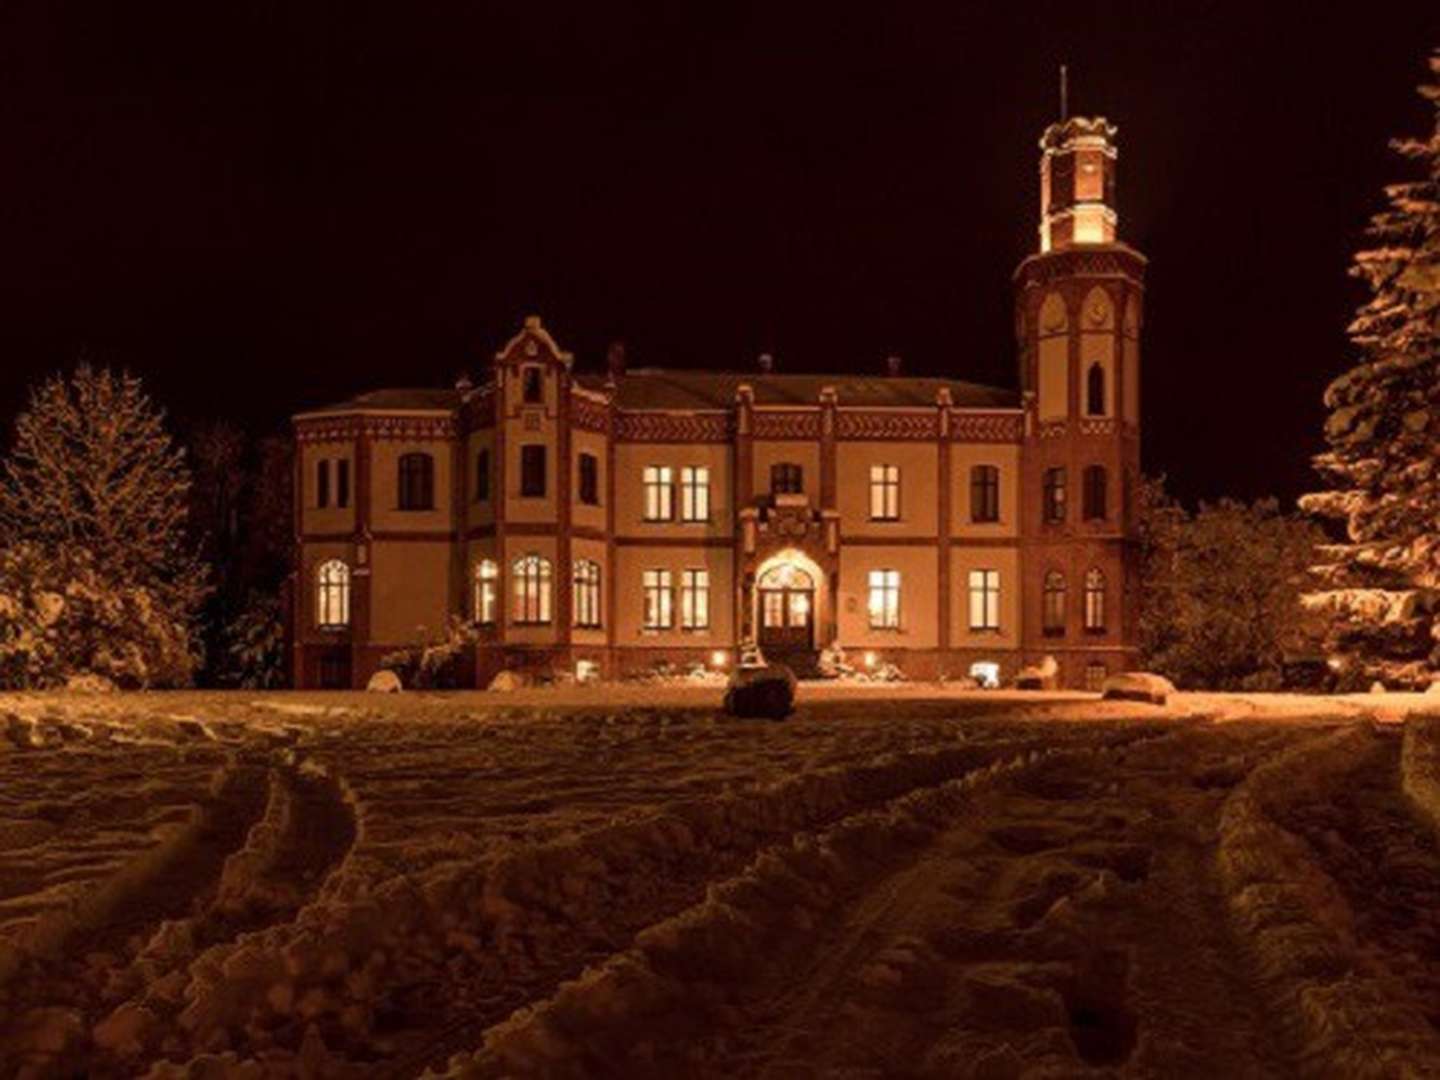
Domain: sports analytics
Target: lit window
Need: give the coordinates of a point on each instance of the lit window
(694, 599)
(695, 493)
(1054, 615)
(984, 599)
(659, 494)
(1095, 391)
(984, 493)
(587, 593)
(533, 587)
(532, 471)
(884, 492)
(417, 482)
(1094, 601)
(786, 478)
(1055, 495)
(658, 600)
(332, 598)
(1093, 493)
(589, 480)
(884, 601)
(487, 591)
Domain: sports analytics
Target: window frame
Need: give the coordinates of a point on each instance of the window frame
(882, 598)
(1094, 496)
(1054, 601)
(885, 485)
(415, 481)
(1095, 390)
(533, 588)
(322, 484)
(985, 590)
(1054, 495)
(485, 598)
(482, 474)
(332, 595)
(787, 478)
(695, 598)
(534, 470)
(1095, 615)
(658, 586)
(695, 494)
(532, 378)
(342, 483)
(587, 483)
(586, 585)
(984, 494)
(658, 493)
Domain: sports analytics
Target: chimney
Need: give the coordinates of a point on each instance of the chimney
(892, 365)
(615, 359)
(766, 363)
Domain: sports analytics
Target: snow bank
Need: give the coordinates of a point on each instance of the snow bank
(1420, 766)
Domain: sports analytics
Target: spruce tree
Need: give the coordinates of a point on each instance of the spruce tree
(94, 480)
(1380, 586)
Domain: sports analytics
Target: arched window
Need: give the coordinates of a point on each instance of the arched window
(332, 594)
(533, 586)
(1095, 391)
(1053, 623)
(417, 482)
(487, 591)
(587, 593)
(1094, 601)
(1094, 495)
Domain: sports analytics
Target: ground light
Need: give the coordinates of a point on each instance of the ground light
(719, 658)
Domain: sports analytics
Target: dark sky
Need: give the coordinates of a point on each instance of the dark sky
(262, 205)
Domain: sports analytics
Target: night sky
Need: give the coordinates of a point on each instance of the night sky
(262, 206)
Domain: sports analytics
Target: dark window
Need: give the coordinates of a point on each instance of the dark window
(1053, 623)
(984, 493)
(322, 484)
(342, 483)
(534, 386)
(482, 476)
(589, 480)
(1095, 391)
(532, 471)
(786, 478)
(417, 482)
(1055, 495)
(1094, 494)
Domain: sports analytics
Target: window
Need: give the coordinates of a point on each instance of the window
(659, 495)
(533, 384)
(984, 599)
(694, 599)
(658, 600)
(1093, 493)
(531, 574)
(322, 483)
(589, 480)
(487, 591)
(1053, 623)
(587, 593)
(984, 493)
(342, 483)
(1094, 601)
(532, 471)
(417, 482)
(1054, 495)
(884, 602)
(695, 493)
(482, 476)
(332, 597)
(1095, 391)
(786, 478)
(1095, 676)
(884, 492)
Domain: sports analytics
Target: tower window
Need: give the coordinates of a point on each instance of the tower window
(533, 386)
(786, 478)
(1095, 391)
(884, 492)
(342, 483)
(532, 471)
(482, 476)
(532, 582)
(487, 591)
(322, 483)
(589, 480)
(1094, 601)
(984, 493)
(332, 595)
(1053, 621)
(417, 482)
(1094, 496)
(984, 599)
(1054, 495)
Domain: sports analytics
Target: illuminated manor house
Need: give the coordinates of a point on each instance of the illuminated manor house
(606, 522)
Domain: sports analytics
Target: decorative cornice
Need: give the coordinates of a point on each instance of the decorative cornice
(1097, 426)
(694, 427)
(891, 424)
(588, 415)
(1111, 260)
(986, 427)
(787, 424)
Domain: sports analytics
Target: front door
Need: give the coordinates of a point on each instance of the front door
(787, 615)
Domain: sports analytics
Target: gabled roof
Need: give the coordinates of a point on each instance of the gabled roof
(663, 388)
(398, 398)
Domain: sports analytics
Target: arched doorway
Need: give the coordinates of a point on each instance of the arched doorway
(786, 594)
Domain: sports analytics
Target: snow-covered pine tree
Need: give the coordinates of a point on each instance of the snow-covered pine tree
(1381, 587)
(94, 477)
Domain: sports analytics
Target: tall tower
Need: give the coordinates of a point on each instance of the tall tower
(1078, 305)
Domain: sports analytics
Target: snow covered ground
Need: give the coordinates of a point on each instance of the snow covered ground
(899, 881)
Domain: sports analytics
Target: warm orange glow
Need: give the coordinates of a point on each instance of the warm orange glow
(719, 658)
